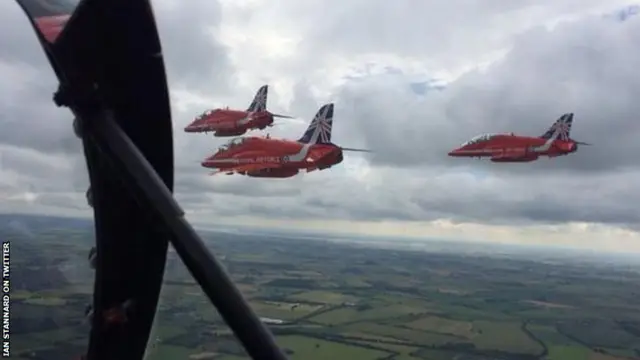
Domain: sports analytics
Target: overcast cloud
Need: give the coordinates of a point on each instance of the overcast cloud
(380, 62)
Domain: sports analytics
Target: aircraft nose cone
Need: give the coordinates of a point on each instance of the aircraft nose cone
(457, 152)
(207, 162)
(191, 127)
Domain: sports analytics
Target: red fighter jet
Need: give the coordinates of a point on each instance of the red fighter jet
(513, 148)
(225, 122)
(279, 158)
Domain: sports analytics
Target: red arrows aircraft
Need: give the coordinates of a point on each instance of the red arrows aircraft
(513, 148)
(279, 158)
(225, 122)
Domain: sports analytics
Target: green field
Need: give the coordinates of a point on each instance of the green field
(493, 335)
(459, 328)
(307, 348)
(351, 314)
(283, 310)
(340, 301)
(324, 297)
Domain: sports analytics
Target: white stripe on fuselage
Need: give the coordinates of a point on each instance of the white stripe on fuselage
(245, 120)
(547, 145)
(479, 151)
(302, 154)
(297, 157)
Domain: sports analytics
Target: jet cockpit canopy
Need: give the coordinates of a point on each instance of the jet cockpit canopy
(232, 143)
(204, 114)
(479, 139)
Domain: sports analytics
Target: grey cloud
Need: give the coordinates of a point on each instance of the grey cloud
(28, 116)
(452, 31)
(604, 198)
(303, 100)
(75, 201)
(587, 68)
(434, 188)
(583, 67)
(225, 205)
(459, 196)
(194, 58)
(19, 42)
(28, 170)
(423, 195)
(200, 181)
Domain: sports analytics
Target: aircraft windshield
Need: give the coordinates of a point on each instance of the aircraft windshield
(206, 113)
(231, 143)
(478, 139)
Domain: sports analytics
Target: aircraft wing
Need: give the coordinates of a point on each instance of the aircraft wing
(247, 167)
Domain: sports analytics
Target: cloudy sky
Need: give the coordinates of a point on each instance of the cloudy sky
(411, 79)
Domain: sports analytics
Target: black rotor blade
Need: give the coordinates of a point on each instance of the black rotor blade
(108, 59)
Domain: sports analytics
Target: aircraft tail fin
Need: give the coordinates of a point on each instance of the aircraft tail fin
(563, 124)
(259, 102)
(319, 131)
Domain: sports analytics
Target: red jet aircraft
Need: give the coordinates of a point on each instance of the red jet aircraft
(513, 148)
(279, 158)
(225, 122)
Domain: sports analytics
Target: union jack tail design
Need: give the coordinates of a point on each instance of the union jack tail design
(319, 131)
(564, 125)
(259, 102)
